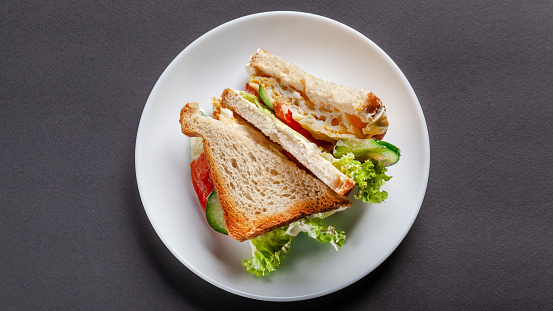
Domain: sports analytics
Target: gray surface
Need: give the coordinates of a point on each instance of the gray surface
(74, 79)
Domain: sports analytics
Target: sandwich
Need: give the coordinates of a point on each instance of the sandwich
(334, 131)
(277, 158)
(258, 193)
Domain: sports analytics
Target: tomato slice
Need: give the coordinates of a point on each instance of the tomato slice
(201, 179)
(285, 115)
(253, 91)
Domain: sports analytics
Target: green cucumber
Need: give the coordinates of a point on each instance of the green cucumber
(363, 149)
(253, 99)
(265, 97)
(214, 213)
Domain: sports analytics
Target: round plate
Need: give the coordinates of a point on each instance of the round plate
(328, 50)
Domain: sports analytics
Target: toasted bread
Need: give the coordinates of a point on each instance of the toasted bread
(259, 188)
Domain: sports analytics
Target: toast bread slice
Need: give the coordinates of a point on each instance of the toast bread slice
(259, 188)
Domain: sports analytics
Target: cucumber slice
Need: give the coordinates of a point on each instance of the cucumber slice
(196, 148)
(363, 149)
(265, 97)
(253, 99)
(214, 213)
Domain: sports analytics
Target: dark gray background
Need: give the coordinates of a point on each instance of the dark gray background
(74, 79)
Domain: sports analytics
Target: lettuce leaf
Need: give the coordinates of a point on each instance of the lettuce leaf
(269, 249)
(316, 230)
(369, 177)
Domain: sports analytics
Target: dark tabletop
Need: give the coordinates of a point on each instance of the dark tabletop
(74, 79)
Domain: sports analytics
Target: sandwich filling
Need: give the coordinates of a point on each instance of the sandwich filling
(323, 121)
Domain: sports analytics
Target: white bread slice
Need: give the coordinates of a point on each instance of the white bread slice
(326, 104)
(306, 152)
(259, 188)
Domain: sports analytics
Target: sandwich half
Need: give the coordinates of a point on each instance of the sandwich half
(259, 188)
(329, 111)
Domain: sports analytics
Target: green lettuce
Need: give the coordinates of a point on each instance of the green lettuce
(269, 249)
(315, 229)
(369, 177)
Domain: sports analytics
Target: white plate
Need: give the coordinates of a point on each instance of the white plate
(326, 49)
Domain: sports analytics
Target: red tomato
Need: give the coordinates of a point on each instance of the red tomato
(285, 115)
(201, 179)
(253, 91)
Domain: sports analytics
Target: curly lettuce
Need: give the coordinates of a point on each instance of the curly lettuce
(269, 249)
(315, 229)
(369, 177)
